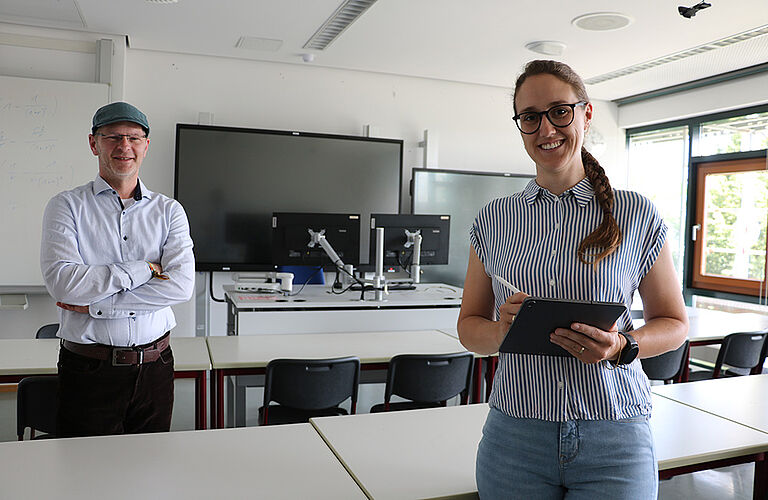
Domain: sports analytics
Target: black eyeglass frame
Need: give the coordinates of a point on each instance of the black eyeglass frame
(516, 118)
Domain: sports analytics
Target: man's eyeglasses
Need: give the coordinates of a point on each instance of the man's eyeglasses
(560, 116)
(118, 138)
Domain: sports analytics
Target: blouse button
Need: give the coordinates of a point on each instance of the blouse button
(552, 282)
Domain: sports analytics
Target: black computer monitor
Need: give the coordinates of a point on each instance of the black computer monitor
(435, 230)
(291, 238)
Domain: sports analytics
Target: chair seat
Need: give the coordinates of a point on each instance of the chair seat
(279, 414)
(405, 405)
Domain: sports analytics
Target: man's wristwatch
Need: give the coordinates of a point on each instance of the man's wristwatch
(630, 350)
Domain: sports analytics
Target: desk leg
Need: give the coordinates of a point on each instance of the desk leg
(220, 399)
(477, 390)
(214, 399)
(200, 401)
(760, 487)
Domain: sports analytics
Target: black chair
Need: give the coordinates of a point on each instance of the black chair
(47, 331)
(36, 406)
(757, 370)
(668, 366)
(428, 380)
(741, 352)
(306, 388)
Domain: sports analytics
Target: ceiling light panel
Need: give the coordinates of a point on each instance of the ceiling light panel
(602, 21)
(339, 21)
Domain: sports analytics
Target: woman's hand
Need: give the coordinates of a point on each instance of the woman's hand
(589, 344)
(508, 310)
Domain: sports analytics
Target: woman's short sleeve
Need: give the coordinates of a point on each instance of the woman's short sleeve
(653, 238)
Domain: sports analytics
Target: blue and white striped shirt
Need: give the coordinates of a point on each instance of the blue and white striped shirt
(530, 238)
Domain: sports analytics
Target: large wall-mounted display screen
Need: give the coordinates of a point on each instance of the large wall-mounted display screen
(231, 180)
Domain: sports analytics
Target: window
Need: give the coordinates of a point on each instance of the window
(658, 161)
(709, 179)
(730, 230)
(732, 135)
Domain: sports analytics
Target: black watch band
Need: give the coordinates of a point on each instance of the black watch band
(630, 350)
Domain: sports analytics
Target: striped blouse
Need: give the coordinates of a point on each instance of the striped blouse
(530, 238)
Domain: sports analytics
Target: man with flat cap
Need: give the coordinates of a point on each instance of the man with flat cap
(115, 256)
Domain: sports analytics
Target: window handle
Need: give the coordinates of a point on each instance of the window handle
(694, 231)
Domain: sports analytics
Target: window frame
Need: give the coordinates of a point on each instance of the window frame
(694, 127)
(720, 283)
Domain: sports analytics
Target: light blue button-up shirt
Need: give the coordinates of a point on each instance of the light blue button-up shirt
(94, 252)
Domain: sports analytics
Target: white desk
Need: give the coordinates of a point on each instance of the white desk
(317, 310)
(409, 454)
(249, 354)
(23, 357)
(740, 399)
(431, 453)
(279, 462)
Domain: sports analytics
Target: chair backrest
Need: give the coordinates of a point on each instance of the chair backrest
(312, 384)
(429, 378)
(36, 404)
(740, 350)
(668, 366)
(47, 331)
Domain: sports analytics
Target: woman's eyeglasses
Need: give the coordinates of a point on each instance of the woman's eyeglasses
(559, 116)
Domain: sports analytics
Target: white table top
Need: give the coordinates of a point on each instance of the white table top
(685, 435)
(409, 454)
(741, 399)
(39, 356)
(320, 297)
(29, 356)
(707, 325)
(431, 453)
(276, 462)
(453, 332)
(255, 351)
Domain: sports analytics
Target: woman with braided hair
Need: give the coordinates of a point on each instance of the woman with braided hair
(571, 427)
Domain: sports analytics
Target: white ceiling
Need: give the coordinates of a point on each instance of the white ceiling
(473, 41)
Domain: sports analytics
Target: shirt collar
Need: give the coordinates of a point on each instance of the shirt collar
(100, 185)
(582, 191)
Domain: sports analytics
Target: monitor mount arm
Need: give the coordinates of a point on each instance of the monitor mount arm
(379, 282)
(414, 239)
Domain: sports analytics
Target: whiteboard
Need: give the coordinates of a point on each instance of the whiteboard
(44, 126)
(460, 194)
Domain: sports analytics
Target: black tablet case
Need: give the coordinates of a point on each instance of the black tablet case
(538, 317)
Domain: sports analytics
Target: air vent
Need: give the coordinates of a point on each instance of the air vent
(340, 20)
(718, 44)
(256, 43)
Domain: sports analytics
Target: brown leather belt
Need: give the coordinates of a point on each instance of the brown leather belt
(121, 355)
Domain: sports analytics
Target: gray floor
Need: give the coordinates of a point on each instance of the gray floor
(727, 483)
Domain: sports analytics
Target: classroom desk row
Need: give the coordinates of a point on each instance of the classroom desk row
(398, 455)
(239, 355)
(20, 358)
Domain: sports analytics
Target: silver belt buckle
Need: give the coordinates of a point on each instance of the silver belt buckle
(115, 350)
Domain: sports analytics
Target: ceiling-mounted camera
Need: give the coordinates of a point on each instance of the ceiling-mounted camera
(689, 12)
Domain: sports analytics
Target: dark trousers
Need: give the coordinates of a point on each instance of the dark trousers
(96, 398)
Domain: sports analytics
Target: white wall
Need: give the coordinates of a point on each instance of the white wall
(473, 121)
(733, 94)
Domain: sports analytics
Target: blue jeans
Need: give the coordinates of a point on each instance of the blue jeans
(579, 459)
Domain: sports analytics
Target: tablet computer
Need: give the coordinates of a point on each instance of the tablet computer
(538, 317)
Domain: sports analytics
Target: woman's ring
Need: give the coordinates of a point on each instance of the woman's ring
(582, 350)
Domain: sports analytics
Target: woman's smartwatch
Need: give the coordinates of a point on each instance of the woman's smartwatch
(630, 350)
